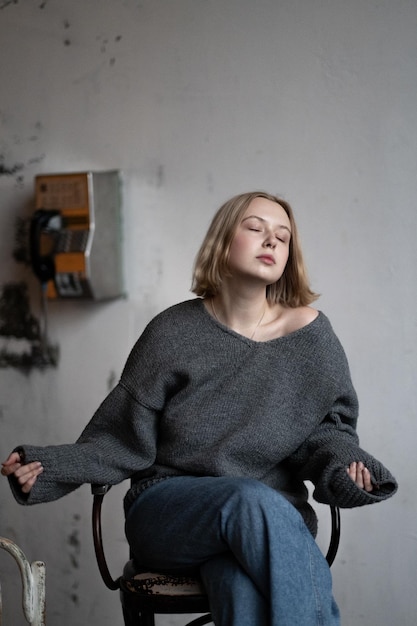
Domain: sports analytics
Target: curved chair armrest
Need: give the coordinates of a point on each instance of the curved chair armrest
(335, 535)
(99, 491)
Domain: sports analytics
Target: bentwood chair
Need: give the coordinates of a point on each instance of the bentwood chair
(145, 593)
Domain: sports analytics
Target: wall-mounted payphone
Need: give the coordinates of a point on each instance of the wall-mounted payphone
(75, 235)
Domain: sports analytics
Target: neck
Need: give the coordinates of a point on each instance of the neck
(243, 313)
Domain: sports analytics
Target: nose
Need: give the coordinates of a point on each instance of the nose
(270, 241)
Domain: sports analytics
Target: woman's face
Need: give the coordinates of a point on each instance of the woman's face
(260, 247)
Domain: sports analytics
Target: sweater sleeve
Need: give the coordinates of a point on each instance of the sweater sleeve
(121, 437)
(119, 440)
(333, 444)
(324, 458)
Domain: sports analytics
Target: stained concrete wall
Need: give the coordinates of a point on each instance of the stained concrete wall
(194, 101)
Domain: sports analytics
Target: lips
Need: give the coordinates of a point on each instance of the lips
(266, 258)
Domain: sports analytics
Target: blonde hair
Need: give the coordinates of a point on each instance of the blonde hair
(211, 263)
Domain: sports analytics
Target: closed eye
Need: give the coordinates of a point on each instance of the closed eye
(256, 224)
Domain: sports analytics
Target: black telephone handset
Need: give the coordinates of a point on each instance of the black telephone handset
(43, 265)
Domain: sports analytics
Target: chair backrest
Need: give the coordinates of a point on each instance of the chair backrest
(99, 491)
(334, 535)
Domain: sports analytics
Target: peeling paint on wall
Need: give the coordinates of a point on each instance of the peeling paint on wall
(74, 550)
(10, 170)
(105, 42)
(10, 166)
(21, 343)
(15, 169)
(6, 3)
(67, 40)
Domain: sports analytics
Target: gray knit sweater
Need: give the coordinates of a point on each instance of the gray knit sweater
(197, 398)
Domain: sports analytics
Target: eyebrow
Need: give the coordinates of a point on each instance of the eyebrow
(261, 219)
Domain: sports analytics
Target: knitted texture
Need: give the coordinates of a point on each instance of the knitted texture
(196, 398)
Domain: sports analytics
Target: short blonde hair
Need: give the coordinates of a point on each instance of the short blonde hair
(211, 263)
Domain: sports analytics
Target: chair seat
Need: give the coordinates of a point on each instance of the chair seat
(156, 583)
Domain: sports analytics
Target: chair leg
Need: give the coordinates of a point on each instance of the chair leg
(146, 619)
(134, 618)
(129, 619)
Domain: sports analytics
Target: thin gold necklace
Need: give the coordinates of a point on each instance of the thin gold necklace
(256, 327)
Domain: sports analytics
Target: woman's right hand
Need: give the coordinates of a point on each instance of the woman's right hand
(25, 474)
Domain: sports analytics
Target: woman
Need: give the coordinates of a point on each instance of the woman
(226, 405)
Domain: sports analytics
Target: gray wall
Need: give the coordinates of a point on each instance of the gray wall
(196, 100)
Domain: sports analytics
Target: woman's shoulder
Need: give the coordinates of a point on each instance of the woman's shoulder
(316, 329)
(298, 317)
(311, 321)
(178, 312)
(175, 318)
(165, 333)
(285, 321)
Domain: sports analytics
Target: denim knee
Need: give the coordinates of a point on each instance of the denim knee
(250, 493)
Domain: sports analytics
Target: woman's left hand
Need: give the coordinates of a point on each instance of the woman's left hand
(360, 475)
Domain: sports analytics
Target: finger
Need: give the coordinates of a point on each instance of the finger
(27, 485)
(26, 488)
(6, 470)
(351, 470)
(359, 475)
(25, 477)
(367, 482)
(27, 468)
(13, 458)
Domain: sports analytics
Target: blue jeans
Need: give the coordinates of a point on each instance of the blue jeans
(259, 563)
